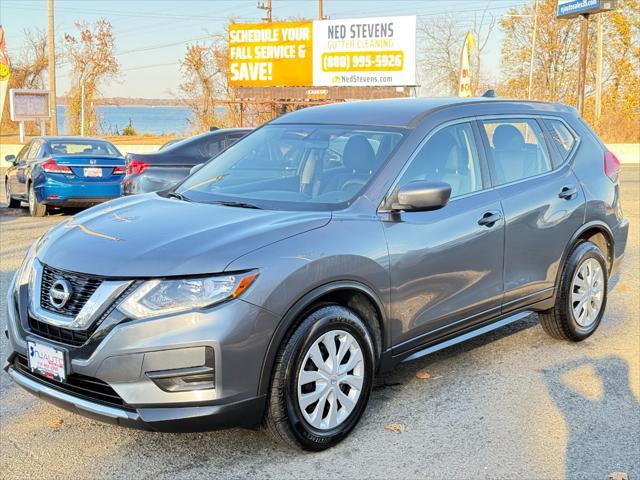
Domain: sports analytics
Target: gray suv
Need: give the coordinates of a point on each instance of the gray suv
(270, 286)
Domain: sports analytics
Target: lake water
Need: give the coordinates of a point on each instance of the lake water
(146, 119)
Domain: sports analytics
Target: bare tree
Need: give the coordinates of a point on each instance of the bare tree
(198, 90)
(441, 40)
(93, 62)
(28, 70)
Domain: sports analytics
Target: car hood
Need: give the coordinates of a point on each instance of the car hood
(151, 236)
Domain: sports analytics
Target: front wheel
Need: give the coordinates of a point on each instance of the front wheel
(322, 380)
(12, 202)
(36, 208)
(582, 295)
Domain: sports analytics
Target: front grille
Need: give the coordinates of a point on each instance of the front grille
(75, 338)
(82, 287)
(81, 386)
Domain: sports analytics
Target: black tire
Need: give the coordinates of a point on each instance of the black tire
(560, 322)
(11, 202)
(36, 208)
(283, 419)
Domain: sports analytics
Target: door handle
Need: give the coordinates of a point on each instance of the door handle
(489, 219)
(568, 192)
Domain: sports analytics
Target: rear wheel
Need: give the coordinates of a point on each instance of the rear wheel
(12, 202)
(582, 295)
(322, 380)
(36, 208)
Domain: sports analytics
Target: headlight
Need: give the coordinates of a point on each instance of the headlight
(160, 297)
(24, 272)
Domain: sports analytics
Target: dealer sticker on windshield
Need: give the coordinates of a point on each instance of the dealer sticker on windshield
(46, 361)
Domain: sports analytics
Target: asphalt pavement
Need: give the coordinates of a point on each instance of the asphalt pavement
(512, 404)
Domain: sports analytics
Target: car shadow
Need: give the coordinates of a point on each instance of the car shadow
(595, 423)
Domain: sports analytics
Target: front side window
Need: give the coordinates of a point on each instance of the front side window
(307, 167)
(23, 152)
(449, 155)
(518, 149)
(561, 137)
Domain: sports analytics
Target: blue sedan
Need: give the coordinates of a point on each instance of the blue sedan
(63, 172)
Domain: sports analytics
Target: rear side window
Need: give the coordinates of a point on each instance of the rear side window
(211, 148)
(561, 136)
(33, 149)
(518, 149)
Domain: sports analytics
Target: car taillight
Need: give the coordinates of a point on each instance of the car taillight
(119, 170)
(51, 166)
(611, 166)
(135, 167)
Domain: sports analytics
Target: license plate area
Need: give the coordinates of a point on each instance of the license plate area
(47, 361)
(92, 172)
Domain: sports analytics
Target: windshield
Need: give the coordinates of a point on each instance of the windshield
(83, 147)
(298, 167)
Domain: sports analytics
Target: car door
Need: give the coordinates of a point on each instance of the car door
(12, 171)
(542, 201)
(446, 265)
(22, 167)
(25, 166)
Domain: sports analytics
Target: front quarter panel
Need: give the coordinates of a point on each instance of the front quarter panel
(349, 248)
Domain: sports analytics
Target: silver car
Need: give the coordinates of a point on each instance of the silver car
(274, 283)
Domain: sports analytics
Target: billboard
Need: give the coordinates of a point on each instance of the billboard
(354, 52)
(573, 8)
(267, 54)
(365, 51)
(26, 104)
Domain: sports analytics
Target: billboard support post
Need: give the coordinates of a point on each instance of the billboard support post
(582, 68)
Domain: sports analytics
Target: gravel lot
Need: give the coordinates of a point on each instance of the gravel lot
(512, 404)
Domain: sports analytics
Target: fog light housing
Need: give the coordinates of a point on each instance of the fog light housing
(187, 379)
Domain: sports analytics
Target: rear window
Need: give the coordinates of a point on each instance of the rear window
(562, 137)
(83, 147)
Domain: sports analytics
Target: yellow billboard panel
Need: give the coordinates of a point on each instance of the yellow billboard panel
(270, 54)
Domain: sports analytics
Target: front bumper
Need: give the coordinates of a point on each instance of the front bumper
(236, 331)
(245, 413)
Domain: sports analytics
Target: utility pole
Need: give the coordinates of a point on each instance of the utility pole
(599, 69)
(266, 6)
(53, 129)
(320, 10)
(582, 68)
(81, 107)
(533, 48)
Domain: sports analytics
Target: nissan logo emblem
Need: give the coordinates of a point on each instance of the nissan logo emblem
(59, 293)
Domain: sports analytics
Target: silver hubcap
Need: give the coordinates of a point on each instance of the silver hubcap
(587, 292)
(32, 200)
(330, 379)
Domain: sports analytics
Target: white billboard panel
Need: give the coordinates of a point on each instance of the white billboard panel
(365, 52)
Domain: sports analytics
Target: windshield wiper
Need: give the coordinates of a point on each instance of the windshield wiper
(237, 204)
(178, 196)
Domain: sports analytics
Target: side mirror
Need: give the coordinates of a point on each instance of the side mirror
(195, 168)
(422, 195)
(10, 158)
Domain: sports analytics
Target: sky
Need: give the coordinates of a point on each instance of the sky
(151, 35)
